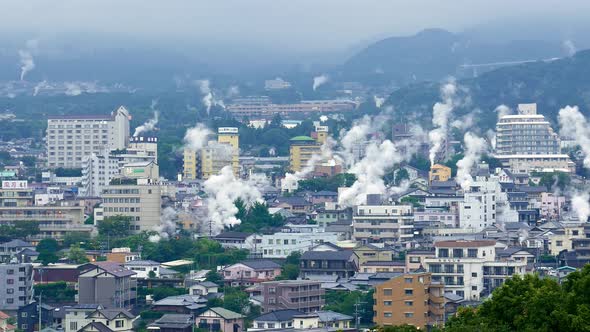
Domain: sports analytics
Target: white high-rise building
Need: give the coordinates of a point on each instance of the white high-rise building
(71, 138)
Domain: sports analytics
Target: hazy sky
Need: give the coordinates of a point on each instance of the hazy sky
(293, 25)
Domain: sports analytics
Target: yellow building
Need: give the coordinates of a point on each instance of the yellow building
(439, 172)
(229, 135)
(321, 132)
(301, 150)
(190, 164)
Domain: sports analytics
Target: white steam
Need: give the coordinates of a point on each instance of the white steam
(323, 118)
(222, 191)
(441, 112)
(378, 101)
(72, 89)
(502, 111)
(569, 47)
(475, 146)
(26, 63)
(292, 179)
(150, 124)
(320, 80)
(197, 137)
(167, 227)
(574, 124)
(581, 205)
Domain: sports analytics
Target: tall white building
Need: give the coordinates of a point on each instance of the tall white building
(526, 141)
(469, 268)
(484, 204)
(389, 224)
(71, 138)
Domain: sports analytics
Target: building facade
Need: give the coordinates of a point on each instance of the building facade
(107, 284)
(389, 224)
(17, 286)
(302, 295)
(301, 151)
(72, 138)
(413, 299)
(141, 202)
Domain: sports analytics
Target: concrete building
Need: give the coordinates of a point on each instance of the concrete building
(17, 286)
(142, 268)
(439, 172)
(302, 295)
(225, 151)
(526, 142)
(293, 239)
(413, 299)
(341, 263)
(72, 138)
(470, 269)
(301, 151)
(389, 224)
(264, 109)
(276, 84)
(108, 284)
(228, 136)
(141, 202)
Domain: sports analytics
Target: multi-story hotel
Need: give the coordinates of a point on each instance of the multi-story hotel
(71, 138)
(389, 224)
(225, 151)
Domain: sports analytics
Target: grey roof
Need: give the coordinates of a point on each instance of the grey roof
(509, 251)
(165, 271)
(260, 264)
(232, 235)
(114, 268)
(532, 189)
(384, 263)
(453, 297)
(329, 255)
(172, 321)
(16, 243)
(86, 306)
(141, 262)
(226, 314)
(278, 315)
(100, 327)
(111, 314)
(292, 200)
(325, 193)
(330, 316)
(189, 301)
(207, 284)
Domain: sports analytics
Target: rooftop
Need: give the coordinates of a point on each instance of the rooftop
(465, 244)
(226, 314)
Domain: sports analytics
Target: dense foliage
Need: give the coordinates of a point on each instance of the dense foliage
(256, 218)
(327, 183)
(56, 292)
(344, 302)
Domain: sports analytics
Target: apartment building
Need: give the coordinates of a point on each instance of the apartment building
(108, 284)
(469, 268)
(265, 109)
(301, 150)
(413, 299)
(388, 224)
(225, 151)
(439, 172)
(139, 200)
(302, 295)
(17, 286)
(526, 141)
(71, 138)
(294, 239)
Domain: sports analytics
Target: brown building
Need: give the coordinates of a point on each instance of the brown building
(302, 295)
(409, 299)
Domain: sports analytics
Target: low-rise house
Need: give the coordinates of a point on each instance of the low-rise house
(220, 319)
(106, 320)
(143, 268)
(122, 255)
(290, 319)
(238, 240)
(75, 316)
(278, 319)
(342, 263)
(372, 253)
(4, 326)
(173, 323)
(302, 295)
(58, 272)
(203, 288)
(250, 272)
(383, 266)
(293, 204)
(324, 196)
(181, 304)
(14, 248)
(28, 316)
(415, 259)
(108, 284)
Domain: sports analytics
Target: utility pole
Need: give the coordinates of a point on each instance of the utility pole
(39, 309)
(358, 310)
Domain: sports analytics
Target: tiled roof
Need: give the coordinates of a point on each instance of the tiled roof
(261, 264)
(465, 244)
(226, 314)
(114, 268)
(278, 315)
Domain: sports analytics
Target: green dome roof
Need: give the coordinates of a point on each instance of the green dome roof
(302, 139)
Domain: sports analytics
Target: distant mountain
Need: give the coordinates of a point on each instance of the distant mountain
(434, 54)
(551, 84)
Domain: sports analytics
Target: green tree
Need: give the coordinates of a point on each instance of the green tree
(151, 274)
(117, 226)
(47, 249)
(290, 270)
(401, 175)
(56, 292)
(235, 299)
(77, 254)
(20, 229)
(214, 277)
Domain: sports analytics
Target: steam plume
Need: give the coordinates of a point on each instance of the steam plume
(27, 63)
(167, 227)
(378, 101)
(73, 89)
(222, 191)
(323, 118)
(569, 47)
(291, 179)
(150, 124)
(320, 80)
(441, 112)
(196, 137)
(208, 99)
(503, 110)
(474, 148)
(574, 124)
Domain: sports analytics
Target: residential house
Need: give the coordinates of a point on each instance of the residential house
(341, 263)
(415, 259)
(122, 255)
(289, 319)
(250, 272)
(330, 213)
(105, 320)
(173, 323)
(203, 288)
(28, 316)
(58, 272)
(75, 316)
(413, 299)
(383, 266)
(388, 224)
(220, 319)
(144, 268)
(324, 196)
(293, 238)
(108, 284)
(181, 304)
(14, 248)
(4, 326)
(278, 319)
(561, 238)
(293, 204)
(238, 240)
(372, 253)
(302, 295)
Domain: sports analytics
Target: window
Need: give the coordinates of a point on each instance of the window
(24, 326)
(409, 291)
(472, 253)
(24, 314)
(443, 253)
(408, 280)
(414, 259)
(409, 303)
(458, 253)
(10, 281)
(474, 274)
(119, 323)
(409, 314)
(387, 314)
(559, 243)
(9, 300)
(10, 291)
(271, 325)
(387, 291)
(474, 288)
(388, 303)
